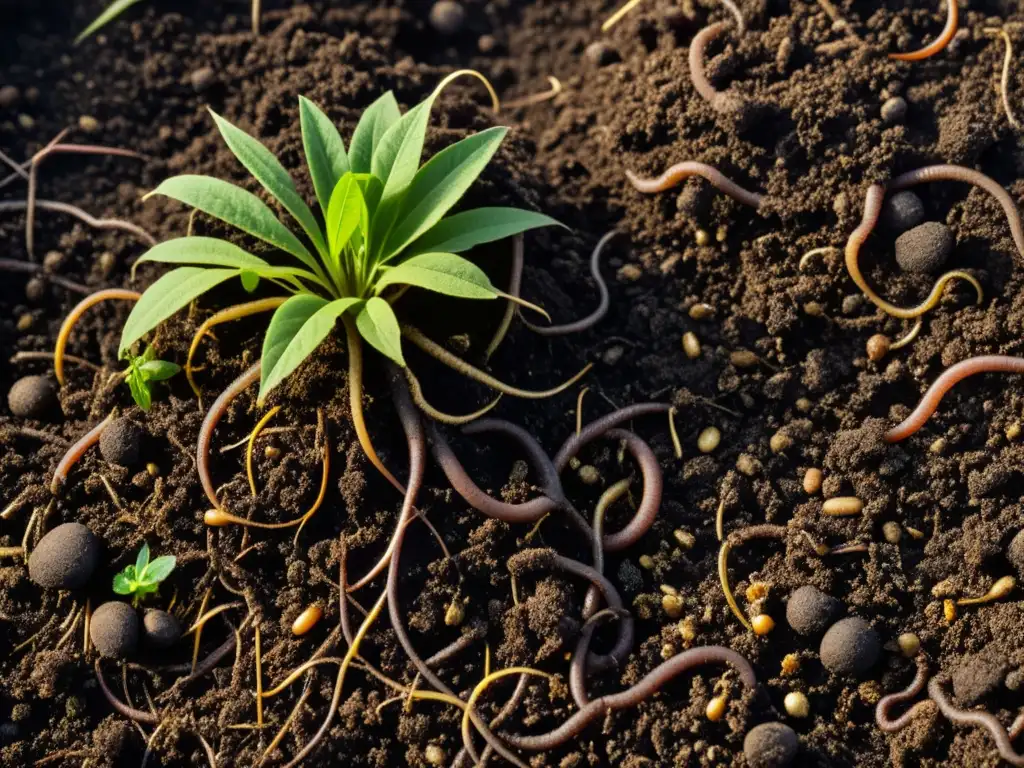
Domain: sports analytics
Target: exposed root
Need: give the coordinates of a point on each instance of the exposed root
(537, 98)
(1004, 80)
(416, 391)
(252, 441)
(73, 316)
(75, 452)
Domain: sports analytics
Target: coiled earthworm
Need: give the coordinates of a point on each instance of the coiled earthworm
(594, 317)
(945, 382)
(720, 101)
(647, 511)
(578, 668)
(76, 312)
(684, 170)
(968, 176)
(598, 427)
(146, 718)
(872, 209)
(546, 559)
(631, 697)
(940, 42)
(899, 697)
(210, 421)
(985, 719)
(90, 438)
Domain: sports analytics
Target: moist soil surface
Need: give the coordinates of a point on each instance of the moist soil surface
(939, 508)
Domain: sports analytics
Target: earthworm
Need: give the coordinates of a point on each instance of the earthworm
(13, 265)
(764, 531)
(598, 427)
(547, 559)
(73, 316)
(146, 718)
(631, 697)
(515, 284)
(687, 168)
(945, 382)
(872, 209)
(578, 668)
(899, 697)
(1004, 80)
(940, 42)
(465, 640)
(90, 438)
(651, 501)
(720, 101)
(78, 213)
(210, 421)
(968, 176)
(985, 719)
(584, 323)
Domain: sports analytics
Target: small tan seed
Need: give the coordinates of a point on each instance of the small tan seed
(691, 345)
(589, 475)
(812, 481)
(796, 704)
(26, 121)
(915, 533)
(1013, 431)
(721, 233)
(701, 312)
(909, 644)
(842, 506)
(88, 123)
(272, 452)
(878, 347)
(216, 518)
(684, 539)
(672, 605)
(762, 624)
(709, 439)
(434, 755)
(743, 358)
(701, 237)
(306, 620)
(892, 532)
(949, 611)
(25, 322)
(814, 309)
(646, 562)
(455, 614)
(804, 405)
(779, 442)
(716, 708)
(938, 445)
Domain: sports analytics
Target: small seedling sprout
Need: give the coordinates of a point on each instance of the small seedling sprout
(143, 371)
(143, 578)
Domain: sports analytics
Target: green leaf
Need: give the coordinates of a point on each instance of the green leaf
(250, 279)
(373, 124)
(237, 207)
(200, 250)
(439, 184)
(325, 150)
(142, 560)
(158, 570)
(139, 388)
(269, 172)
(397, 158)
(294, 335)
(442, 273)
(166, 296)
(111, 12)
(462, 231)
(345, 213)
(377, 324)
(159, 370)
(122, 586)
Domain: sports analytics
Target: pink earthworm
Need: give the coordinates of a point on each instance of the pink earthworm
(684, 170)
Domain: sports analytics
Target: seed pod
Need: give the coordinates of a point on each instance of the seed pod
(589, 475)
(743, 358)
(716, 708)
(909, 644)
(949, 611)
(878, 347)
(796, 704)
(691, 345)
(272, 452)
(701, 237)
(762, 624)
(1001, 588)
(779, 442)
(709, 439)
(812, 481)
(842, 506)
(892, 533)
(216, 518)
(684, 539)
(646, 562)
(701, 312)
(306, 620)
(455, 614)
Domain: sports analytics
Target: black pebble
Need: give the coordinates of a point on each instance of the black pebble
(160, 629)
(121, 442)
(1015, 552)
(600, 53)
(902, 211)
(447, 17)
(850, 647)
(32, 397)
(810, 611)
(115, 630)
(770, 745)
(925, 248)
(64, 558)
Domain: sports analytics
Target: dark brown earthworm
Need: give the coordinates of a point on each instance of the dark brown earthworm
(13, 265)
(886, 703)
(89, 439)
(210, 421)
(985, 719)
(578, 668)
(684, 170)
(598, 427)
(720, 101)
(548, 560)
(647, 512)
(945, 382)
(631, 697)
(473, 634)
(139, 716)
(968, 176)
(584, 323)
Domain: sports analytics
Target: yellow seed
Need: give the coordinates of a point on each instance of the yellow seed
(589, 475)
(812, 480)
(691, 345)
(455, 614)
(909, 644)
(306, 620)
(743, 358)
(747, 464)
(434, 754)
(892, 533)
(878, 347)
(758, 590)
(804, 405)
(646, 562)
(216, 518)
(152, 469)
(938, 445)
(779, 442)
(668, 589)
(716, 708)
(842, 506)
(684, 539)
(709, 439)
(721, 233)
(88, 123)
(796, 704)
(672, 605)
(762, 624)
(667, 651)
(1013, 431)
(701, 312)
(272, 452)
(688, 630)
(1001, 588)
(814, 309)
(25, 322)
(949, 610)
(790, 664)
(915, 533)
(702, 237)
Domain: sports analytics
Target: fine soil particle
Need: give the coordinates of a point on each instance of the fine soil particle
(693, 261)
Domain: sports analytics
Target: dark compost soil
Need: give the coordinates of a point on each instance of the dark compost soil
(812, 152)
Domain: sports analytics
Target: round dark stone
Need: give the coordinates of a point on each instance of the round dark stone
(770, 745)
(1015, 552)
(902, 211)
(202, 79)
(160, 629)
(115, 630)
(121, 443)
(447, 17)
(810, 611)
(894, 110)
(32, 397)
(850, 647)
(65, 558)
(925, 248)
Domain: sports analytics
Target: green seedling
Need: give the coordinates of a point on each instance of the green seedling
(143, 371)
(116, 8)
(143, 578)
